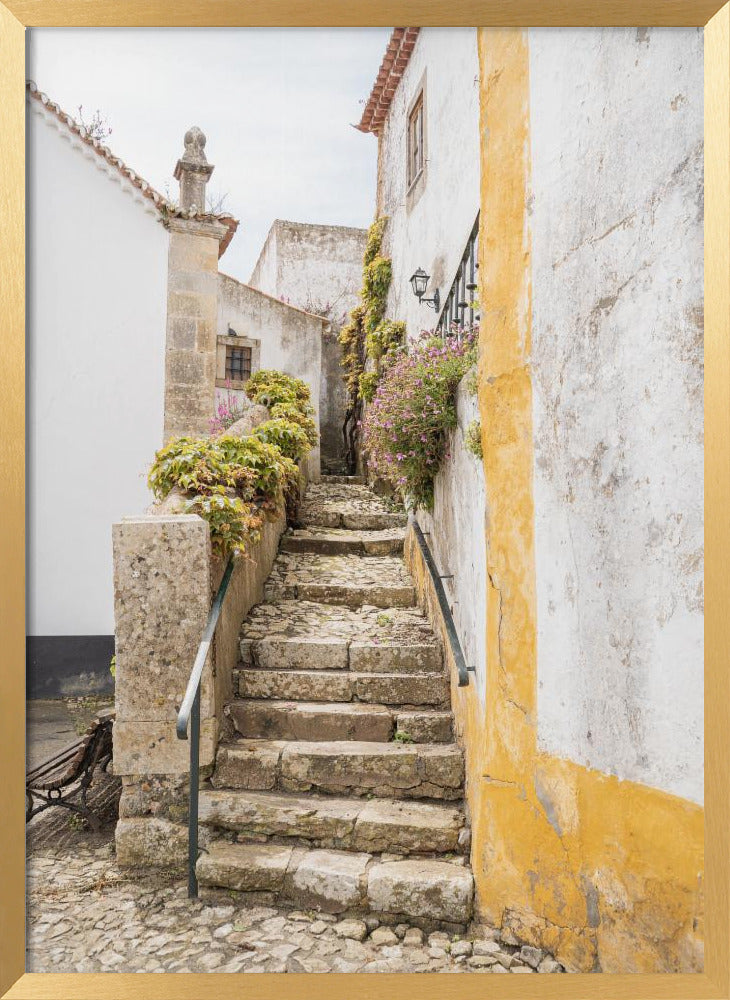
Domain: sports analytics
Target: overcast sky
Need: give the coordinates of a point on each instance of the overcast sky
(276, 106)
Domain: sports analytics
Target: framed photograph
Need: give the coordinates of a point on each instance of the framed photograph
(364, 489)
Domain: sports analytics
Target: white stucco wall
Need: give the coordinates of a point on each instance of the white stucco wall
(458, 539)
(431, 229)
(617, 279)
(97, 286)
(317, 268)
(291, 339)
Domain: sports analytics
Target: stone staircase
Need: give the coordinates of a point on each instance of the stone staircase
(338, 786)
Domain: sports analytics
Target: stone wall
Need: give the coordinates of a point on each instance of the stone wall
(164, 579)
(317, 268)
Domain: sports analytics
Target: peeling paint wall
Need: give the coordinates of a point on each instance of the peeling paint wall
(317, 268)
(591, 409)
(430, 223)
(617, 355)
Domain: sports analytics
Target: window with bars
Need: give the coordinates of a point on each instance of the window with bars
(415, 140)
(238, 363)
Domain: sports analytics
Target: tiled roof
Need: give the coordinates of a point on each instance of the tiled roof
(165, 208)
(391, 70)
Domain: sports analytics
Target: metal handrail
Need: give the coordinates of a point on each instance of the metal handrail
(190, 714)
(460, 296)
(456, 650)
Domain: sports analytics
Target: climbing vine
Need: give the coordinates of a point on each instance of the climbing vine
(367, 338)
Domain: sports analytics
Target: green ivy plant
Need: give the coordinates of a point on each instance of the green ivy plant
(290, 438)
(473, 438)
(233, 522)
(269, 387)
(234, 482)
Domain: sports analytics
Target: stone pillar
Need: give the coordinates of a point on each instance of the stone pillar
(162, 595)
(192, 299)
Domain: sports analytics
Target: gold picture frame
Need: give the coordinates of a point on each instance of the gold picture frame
(15, 16)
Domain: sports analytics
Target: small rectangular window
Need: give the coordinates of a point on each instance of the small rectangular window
(415, 140)
(238, 363)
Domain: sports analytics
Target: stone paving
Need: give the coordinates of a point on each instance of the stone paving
(333, 505)
(85, 914)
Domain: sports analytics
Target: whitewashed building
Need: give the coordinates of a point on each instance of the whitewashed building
(133, 333)
(424, 109)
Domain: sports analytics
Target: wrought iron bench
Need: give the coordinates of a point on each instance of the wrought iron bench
(68, 774)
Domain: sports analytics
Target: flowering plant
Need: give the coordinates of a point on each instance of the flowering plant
(413, 409)
(227, 412)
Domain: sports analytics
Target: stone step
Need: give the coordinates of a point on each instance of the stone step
(302, 635)
(302, 720)
(341, 541)
(344, 685)
(393, 770)
(341, 654)
(338, 480)
(331, 505)
(377, 825)
(340, 881)
(352, 581)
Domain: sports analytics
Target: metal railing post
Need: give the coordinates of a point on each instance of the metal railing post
(194, 794)
(189, 715)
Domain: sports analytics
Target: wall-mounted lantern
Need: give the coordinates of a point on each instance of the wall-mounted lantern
(419, 283)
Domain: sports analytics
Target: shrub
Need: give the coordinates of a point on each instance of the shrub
(233, 522)
(290, 438)
(194, 465)
(234, 481)
(270, 387)
(413, 410)
(302, 415)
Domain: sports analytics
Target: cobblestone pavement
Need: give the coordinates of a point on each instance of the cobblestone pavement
(85, 914)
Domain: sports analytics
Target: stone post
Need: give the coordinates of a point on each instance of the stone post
(192, 299)
(162, 595)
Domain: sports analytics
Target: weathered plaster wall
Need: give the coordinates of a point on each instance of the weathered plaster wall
(97, 281)
(291, 339)
(457, 539)
(617, 334)
(430, 225)
(317, 268)
(606, 873)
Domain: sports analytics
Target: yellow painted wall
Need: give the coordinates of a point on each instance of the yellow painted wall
(605, 874)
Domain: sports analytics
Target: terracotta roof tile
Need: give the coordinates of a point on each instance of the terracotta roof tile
(395, 60)
(165, 207)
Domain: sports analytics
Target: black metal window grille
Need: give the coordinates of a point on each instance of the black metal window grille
(415, 141)
(238, 363)
(461, 310)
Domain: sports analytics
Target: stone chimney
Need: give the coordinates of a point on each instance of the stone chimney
(192, 299)
(193, 172)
